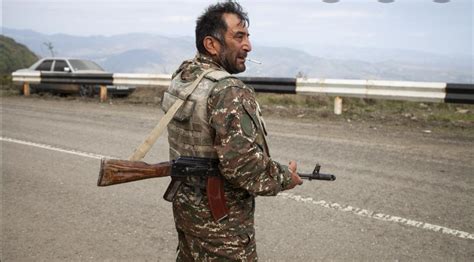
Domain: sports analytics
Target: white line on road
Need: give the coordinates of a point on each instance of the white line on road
(379, 216)
(344, 208)
(49, 147)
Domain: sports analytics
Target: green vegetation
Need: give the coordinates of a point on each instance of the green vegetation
(13, 56)
(377, 111)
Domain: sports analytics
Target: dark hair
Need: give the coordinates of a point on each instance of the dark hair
(211, 23)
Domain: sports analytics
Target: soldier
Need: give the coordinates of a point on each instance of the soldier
(221, 120)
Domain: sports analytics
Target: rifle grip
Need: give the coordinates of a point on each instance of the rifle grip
(172, 189)
(216, 198)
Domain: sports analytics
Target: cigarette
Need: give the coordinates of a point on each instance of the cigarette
(253, 61)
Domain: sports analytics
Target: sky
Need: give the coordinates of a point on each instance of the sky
(422, 25)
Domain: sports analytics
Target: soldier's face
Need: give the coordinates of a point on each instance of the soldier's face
(237, 44)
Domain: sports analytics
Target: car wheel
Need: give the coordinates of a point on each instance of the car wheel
(86, 91)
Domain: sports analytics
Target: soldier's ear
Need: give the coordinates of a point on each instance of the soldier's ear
(212, 45)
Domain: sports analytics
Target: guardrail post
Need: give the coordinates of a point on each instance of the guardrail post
(26, 89)
(337, 105)
(103, 93)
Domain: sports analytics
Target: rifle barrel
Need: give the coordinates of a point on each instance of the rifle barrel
(319, 176)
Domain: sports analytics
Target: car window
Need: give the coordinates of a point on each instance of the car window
(60, 65)
(84, 65)
(45, 66)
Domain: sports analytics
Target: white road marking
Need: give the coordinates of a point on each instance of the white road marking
(49, 147)
(344, 208)
(379, 216)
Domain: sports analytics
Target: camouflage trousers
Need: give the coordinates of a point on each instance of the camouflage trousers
(238, 248)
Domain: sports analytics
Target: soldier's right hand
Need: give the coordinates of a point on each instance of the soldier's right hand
(295, 179)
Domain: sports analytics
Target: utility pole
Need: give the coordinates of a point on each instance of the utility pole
(50, 47)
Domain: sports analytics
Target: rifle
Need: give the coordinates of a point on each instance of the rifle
(117, 171)
(114, 171)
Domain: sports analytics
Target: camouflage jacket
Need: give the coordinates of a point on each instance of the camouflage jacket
(244, 159)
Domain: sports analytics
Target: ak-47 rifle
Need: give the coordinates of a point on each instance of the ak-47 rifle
(114, 171)
(117, 171)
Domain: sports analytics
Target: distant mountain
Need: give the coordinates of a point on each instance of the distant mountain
(14, 56)
(148, 53)
(135, 60)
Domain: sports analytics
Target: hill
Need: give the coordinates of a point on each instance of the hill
(13, 56)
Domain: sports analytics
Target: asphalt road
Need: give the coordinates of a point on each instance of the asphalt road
(401, 194)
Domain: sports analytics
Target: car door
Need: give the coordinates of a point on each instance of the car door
(44, 66)
(61, 67)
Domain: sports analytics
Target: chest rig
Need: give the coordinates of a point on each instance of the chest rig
(189, 133)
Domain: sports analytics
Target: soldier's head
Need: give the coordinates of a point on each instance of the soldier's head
(222, 34)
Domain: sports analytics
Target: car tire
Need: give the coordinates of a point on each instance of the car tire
(86, 91)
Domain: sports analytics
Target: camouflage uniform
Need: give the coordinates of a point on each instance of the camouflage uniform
(237, 138)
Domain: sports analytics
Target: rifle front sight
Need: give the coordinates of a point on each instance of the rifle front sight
(317, 176)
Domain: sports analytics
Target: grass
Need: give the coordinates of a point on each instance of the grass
(7, 88)
(358, 109)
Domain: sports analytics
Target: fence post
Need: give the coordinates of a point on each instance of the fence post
(337, 105)
(103, 93)
(26, 89)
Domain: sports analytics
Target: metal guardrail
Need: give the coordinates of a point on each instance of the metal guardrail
(377, 89)
(143, 80)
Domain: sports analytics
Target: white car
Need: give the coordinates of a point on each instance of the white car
(62, 65)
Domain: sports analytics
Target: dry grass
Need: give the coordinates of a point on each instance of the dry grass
(382, 111)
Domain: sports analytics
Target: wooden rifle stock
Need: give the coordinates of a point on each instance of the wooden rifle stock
(115, 171)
